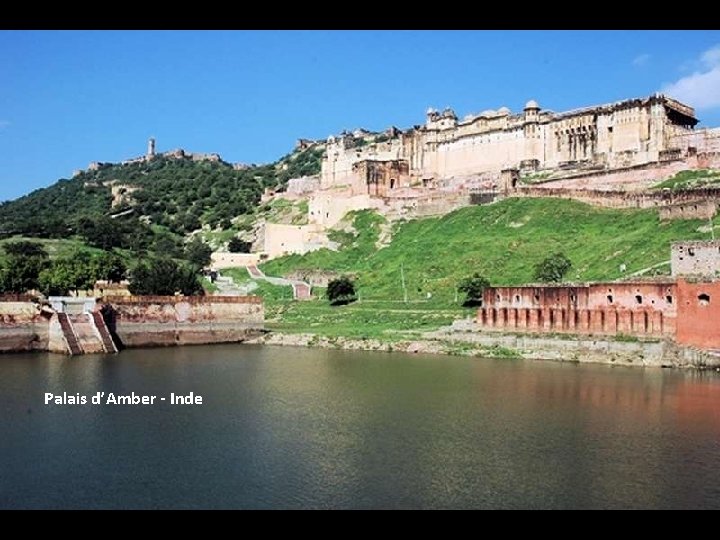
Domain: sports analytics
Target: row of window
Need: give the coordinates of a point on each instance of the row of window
(703, 299)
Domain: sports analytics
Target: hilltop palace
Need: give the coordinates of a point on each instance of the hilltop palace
(623, 134)
(607, 154)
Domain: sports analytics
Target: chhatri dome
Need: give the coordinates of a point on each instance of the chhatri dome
(532, 104)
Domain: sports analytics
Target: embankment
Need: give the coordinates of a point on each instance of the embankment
(660, 353)
(156, 321)
(23, 324)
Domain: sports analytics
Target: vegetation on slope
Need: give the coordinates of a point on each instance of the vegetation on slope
(178, 195)
(690, 179)
(503, 241)
(385, 320)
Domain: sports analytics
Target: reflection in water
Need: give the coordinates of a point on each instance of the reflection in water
(302, 428)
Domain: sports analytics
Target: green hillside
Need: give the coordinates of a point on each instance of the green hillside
(174, 195)
(503, 241)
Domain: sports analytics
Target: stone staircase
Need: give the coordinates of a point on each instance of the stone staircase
(227, 287)
(102, 330)
(69, 334)
(301, 290)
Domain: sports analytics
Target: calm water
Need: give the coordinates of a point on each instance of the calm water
(304, 428)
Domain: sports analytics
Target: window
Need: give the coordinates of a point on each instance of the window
(517, 298)
(691, 252)
(638, 299)
(610, 298)
(703, 299)
(668, 299)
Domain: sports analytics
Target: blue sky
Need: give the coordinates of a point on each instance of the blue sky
(71, 97)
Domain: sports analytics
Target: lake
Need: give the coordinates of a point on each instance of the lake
(281, 427)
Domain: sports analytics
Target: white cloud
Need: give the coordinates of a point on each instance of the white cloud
(641, 59)
(701, 89)
(711, 57)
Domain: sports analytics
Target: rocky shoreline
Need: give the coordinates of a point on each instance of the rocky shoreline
(580, 349)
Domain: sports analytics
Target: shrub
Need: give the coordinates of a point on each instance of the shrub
(341, 291)
(553, 268)
(473, 287)
(238, 246)
(164, 277)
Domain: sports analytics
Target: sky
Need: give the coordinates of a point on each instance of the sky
(71, 97)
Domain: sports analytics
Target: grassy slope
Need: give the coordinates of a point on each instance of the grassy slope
(691, 179)
(504, 241)
(55, 247)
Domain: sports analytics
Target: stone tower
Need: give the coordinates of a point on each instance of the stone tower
(151, 148)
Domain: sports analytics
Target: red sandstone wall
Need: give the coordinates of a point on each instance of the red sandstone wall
(609, 321)
(582, 309)
(657, 295)
(652, 295)
(698, 323)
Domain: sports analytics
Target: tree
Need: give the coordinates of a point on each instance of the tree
(165, 245)
(23, 248)
(165, 277)
(190, 222)
(110, 266)
(198, 253)
(24, 263)
(473, 287)
(76, 271)
(101, 231)
(553, 268)
(238, 246)
(341, 291)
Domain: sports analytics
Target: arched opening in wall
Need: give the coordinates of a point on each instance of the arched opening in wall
(691, 252)
(392, 183)
(668, 299)
(610, 298)
(517, 298)
(703, 299)
(638, 299)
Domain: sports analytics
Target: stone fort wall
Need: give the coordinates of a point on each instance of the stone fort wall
(695, 258)
(642, 309)
(623, 134)
(685, 311)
